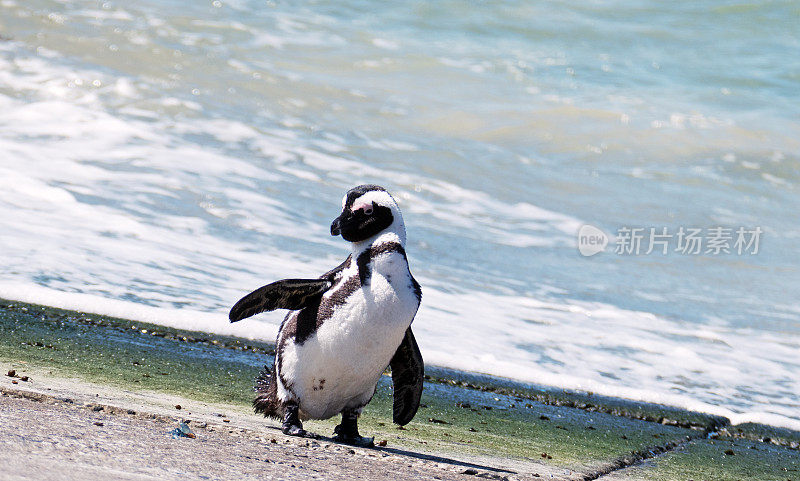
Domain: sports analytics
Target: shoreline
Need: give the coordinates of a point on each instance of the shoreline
(464, 416)
(214, 326)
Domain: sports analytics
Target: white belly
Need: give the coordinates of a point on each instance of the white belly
(339, 366)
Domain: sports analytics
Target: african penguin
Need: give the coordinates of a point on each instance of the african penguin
(345, 327)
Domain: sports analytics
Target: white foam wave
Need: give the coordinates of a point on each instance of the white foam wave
(178, 318)
(611, 351)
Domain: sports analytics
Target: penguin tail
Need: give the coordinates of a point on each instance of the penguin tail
(266, 402)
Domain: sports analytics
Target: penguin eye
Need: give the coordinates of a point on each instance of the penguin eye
(368, 210)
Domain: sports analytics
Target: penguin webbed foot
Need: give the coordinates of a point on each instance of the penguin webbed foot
(360, 441)
(347, 431)
(292, 425)
(352, 439)
(297, 430)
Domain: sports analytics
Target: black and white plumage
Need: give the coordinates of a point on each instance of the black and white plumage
(345, 327)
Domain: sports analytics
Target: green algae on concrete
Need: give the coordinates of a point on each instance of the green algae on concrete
(127, 354)
(723, 459)
(767, 434)
(487, 424)
(472, 414)
(582, 400)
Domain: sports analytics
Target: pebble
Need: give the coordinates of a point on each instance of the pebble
(182, 431)
(437, 421)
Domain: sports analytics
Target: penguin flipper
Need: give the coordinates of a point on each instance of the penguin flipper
(292, 294)
(408, 373)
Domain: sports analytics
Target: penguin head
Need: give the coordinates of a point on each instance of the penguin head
(368, 210)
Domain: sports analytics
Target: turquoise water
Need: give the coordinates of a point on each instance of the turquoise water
(174, 155)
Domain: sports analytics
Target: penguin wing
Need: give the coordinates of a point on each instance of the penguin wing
(289, 294)
(408, 372)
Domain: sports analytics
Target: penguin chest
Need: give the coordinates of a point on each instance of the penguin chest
(339, 366)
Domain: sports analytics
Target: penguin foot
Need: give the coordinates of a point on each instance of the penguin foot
(299, 432)
(348, 433)
(356, 440)
(291, 423)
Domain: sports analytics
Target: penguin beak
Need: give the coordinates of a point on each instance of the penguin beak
(336, 226)
(346, 221)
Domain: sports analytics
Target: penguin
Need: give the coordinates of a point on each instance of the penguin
(345, 327)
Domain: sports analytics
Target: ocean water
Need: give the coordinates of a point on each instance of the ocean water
(160, 159)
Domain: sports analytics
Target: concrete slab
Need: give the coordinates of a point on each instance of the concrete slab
(725, 459)
(504, 424)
